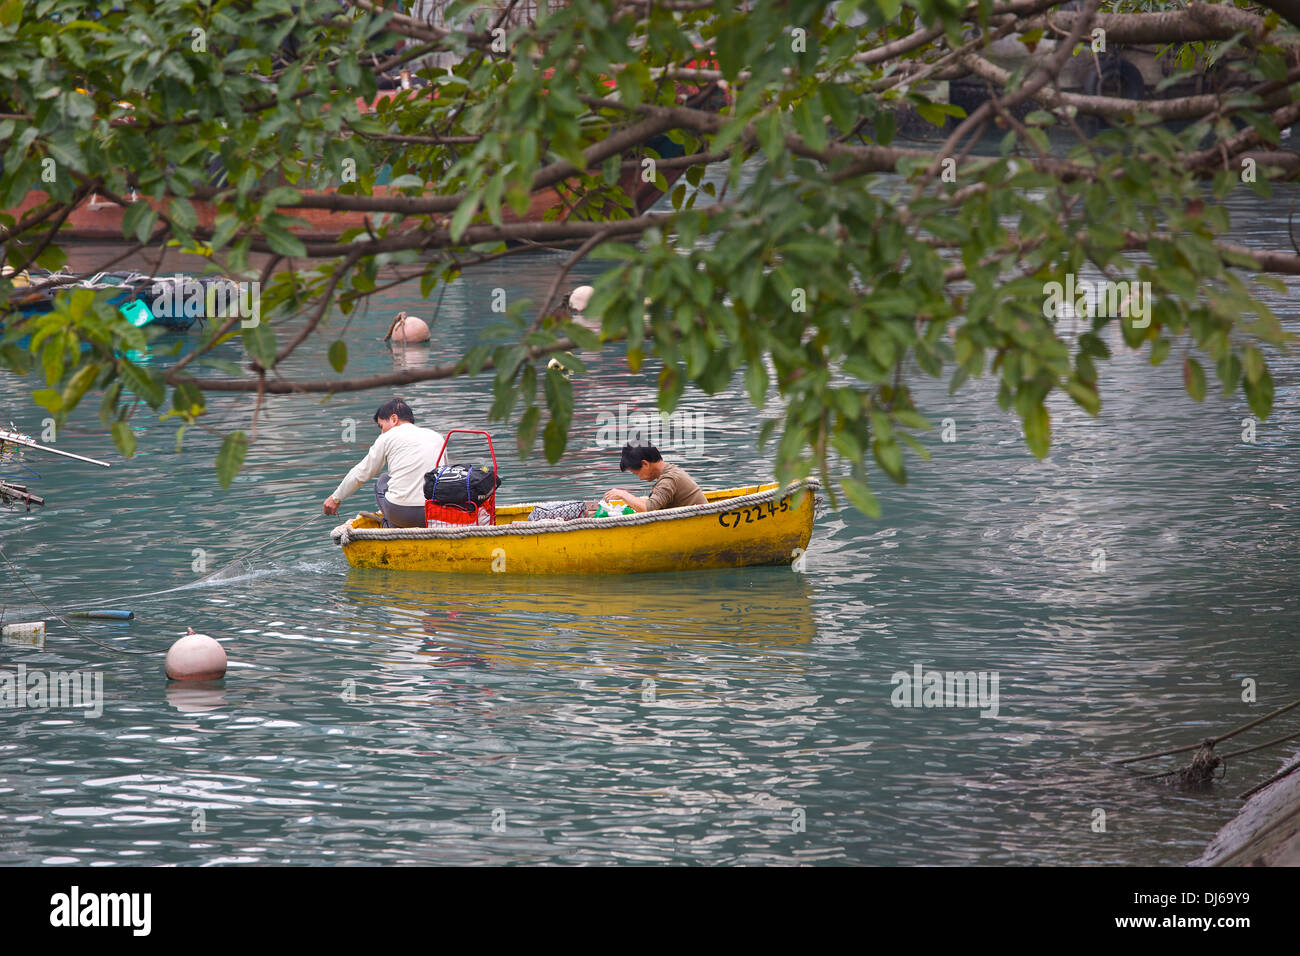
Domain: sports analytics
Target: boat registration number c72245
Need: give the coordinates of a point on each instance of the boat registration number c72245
(734, 519)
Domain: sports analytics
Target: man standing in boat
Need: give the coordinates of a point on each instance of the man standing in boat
(673, 488)
(407, 452)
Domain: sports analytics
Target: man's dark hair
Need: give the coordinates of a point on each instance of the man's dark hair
(395, 407)
(634, 456)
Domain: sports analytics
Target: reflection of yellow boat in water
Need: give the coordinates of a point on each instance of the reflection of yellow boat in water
(522, 617)
(738, 527)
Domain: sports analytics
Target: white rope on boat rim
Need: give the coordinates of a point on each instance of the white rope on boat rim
(345, 534)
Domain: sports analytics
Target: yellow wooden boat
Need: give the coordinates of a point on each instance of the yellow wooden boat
(738, 527)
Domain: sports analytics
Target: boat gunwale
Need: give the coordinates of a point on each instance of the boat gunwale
(345, 534)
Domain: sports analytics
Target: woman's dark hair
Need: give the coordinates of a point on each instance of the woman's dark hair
(396, 407)
(634, 456)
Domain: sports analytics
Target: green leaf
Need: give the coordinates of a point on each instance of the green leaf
(911, 419)
(571, 362)
(554, 441)
(1038, 430)
(884, 128)
(11, 13)
(187, 399)
(259, 342)
(138, 221)
(406, 182)
(559, 394)
(183, 214)
(1085, 395)
(889, 455)
(464, 213)
(771, 135)
(123, 438)
(147, 383)
(932, 113)
(860, 496)
(49, 399)
(916, 446)
(1259, 394)
(78, 385)
(1194, 379)
(1230, 373)
(282, 241)
(1160, 350)
(808, 122)
(278, 197)
(230, 459)
(526, 435)
(226, 228)
(338, 355)
(841, 105)
(1254, 362)
(756, 382)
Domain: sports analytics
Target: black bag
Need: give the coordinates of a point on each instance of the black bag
(461, 484)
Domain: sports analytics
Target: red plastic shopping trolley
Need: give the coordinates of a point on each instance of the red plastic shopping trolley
(471, 513)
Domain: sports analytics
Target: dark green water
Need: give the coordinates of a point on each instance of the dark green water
(392, 717)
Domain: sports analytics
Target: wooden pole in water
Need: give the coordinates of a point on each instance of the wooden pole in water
(17, 439)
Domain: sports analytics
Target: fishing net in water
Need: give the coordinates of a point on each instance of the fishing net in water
(239, 568)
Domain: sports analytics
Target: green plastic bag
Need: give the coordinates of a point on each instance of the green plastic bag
(604, 512)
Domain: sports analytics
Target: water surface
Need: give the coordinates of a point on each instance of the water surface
(721, 717)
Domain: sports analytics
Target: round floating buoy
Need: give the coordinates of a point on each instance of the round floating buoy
(196, 657)
(408, 329)
(579, 298)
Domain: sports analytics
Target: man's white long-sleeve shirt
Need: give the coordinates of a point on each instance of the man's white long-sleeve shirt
(409, 451)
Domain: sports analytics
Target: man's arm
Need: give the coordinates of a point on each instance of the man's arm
(369, 467)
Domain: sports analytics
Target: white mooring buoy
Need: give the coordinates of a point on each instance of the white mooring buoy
(196, 657)
(579, 298)
(408, 329)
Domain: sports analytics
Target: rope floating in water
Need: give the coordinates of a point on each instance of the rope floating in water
(144, 595)
(1214, 740)
(1201, 771)
(120, 615)
(61, 618)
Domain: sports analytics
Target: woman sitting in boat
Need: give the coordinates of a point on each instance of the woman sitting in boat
(673, 488)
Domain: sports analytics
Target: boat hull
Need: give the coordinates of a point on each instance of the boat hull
(741, 527)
